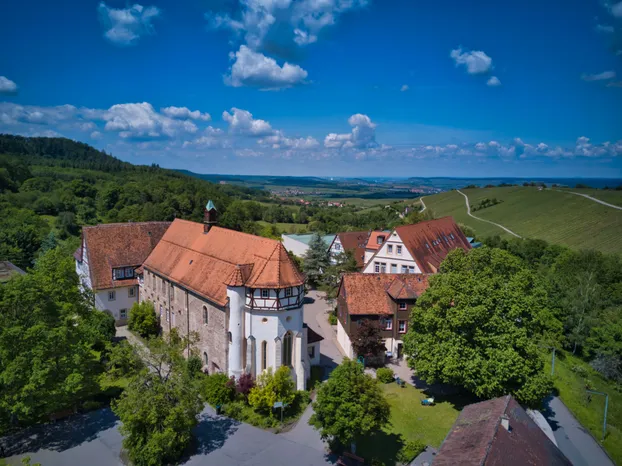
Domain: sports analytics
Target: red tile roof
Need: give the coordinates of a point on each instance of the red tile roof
(370, 293)
(372, 242)
(207, 262)
(429, 242)
(477, 438)
(355, 241)
(113, 245)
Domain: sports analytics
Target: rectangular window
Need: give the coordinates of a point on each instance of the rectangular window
(288, 292)
(265, 293)
(123, 313)
(390, 249)
(377, 267)
(172, 291)
(411, 269)
(160, 312)
(129, 272)
(393, 268)
(388, 324)
(398, 250)
(112, 295)
(312, 351)
(337, 247)
(401, 326)
(131, 291)
(380, 239)
(383, 267)
(168, 315)
(119, 274)
(402, 306)
(404, 269)
(173, 317)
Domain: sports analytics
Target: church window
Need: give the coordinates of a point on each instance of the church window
(287, 349)
(264, 355)
(205, 316)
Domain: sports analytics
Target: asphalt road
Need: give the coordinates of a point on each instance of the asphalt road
(572, 438)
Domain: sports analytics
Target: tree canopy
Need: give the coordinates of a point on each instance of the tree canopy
(479, 325)
(316, 259)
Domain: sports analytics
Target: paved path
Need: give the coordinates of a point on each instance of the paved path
(572, 438)
(316, 317)
(589, 197)
(424, 206)
(466, 199)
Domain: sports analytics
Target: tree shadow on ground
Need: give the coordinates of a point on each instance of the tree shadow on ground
(61, 435)
(210, 434)
(380, 446)
(549, 414)
(328, 363)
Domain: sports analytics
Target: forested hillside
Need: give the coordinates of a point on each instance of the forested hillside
(50, 187)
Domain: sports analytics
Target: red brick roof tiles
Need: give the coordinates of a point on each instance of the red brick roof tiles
(207, 262)
(370, 293)
(114, 245)
(372, 242)
(355, 241)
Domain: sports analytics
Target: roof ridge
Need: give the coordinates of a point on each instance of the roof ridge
(117, 224)
(496, 429)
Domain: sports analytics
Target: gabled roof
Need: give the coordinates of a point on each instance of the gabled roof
(354, 241)
(429, 242)
(207, 263)
(478, 438)
(7, 270)
(374, 293)
(113, 245)
(312, 335)
(372, 242)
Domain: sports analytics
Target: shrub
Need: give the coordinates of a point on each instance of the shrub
(332, 319)
(245, 384)
(122, 360)
(409, 451)
(270, 388)
(194, 365)
(384, 374)
(218, 389)
(143, 319)
(101, 326)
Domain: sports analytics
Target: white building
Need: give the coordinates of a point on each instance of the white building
(353, 241)
(417, 248)
(242, 295)
(107, 258)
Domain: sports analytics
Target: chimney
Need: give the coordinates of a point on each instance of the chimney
(505, 422)
(210, 217)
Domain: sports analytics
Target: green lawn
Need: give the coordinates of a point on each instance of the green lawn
(612, 197)
(286, 228)
(557, 217)
(571, 376)
(411, 421)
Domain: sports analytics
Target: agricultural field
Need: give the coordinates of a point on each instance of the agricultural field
(287, 228)
(612, 197)
(557, 217)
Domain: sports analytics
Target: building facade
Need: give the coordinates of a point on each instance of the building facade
(417, 248)
(107, 259)
(387, 299)
(241, 294)
(351, 241)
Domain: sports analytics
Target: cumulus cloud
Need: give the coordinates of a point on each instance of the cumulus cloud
(254, 69)
(616, 10)
(96, 135)
(11, 114)
(475, 61)
(493, 81)
(604, 28)
(605, 75)
(184, 113)
(362, 136)
(140, 120)
(279, 141)
(404, 88)
(242, 122)
(7, 87)
(211, 138)
(125, 26)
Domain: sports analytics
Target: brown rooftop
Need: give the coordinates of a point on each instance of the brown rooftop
(371, 293)
(113, 245)
(478, 438)
(372, 242)
(207, 263)
(355, 241)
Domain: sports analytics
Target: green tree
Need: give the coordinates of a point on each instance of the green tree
(143, 319)
(479, 325)
(160, 407)
(316, 259)
(218, 389)
(349, 405)
(122, 360)
(272, 387)
(367, 339)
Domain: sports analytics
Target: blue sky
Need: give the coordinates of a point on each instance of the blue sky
(323, 87)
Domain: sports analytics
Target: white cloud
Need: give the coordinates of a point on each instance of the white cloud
(493, 81)
(184, 113)
(140, 120)
(96, 135)
(363, 135)
(256, 70)
(212, 138)
(11, 114)
(242, 122)
(614, 84)
(404, 88)
(599, 77)
(126, 26)
(7, 86)
(604, 28)
(476, 61)
(279, 141)
(86, 126)
(616, 10)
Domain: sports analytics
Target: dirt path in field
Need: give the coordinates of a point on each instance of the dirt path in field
(590, 198)
(466, 200)
(424, 206)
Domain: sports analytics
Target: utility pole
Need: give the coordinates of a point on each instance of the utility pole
(606, 405)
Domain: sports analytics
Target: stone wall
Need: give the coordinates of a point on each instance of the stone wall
(171, 304)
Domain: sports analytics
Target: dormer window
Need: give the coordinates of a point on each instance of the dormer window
(124, 272)
(402, 306)
(380, 239)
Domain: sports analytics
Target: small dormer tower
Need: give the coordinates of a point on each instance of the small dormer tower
(210, 217)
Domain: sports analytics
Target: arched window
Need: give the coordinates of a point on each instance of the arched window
(287, 349)
(264, 355)
(230, 337)
(205, 359)
(205, 316)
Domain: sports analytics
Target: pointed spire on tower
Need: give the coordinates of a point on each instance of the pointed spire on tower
(210, 216)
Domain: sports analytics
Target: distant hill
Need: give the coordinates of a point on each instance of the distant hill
(554, 216)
